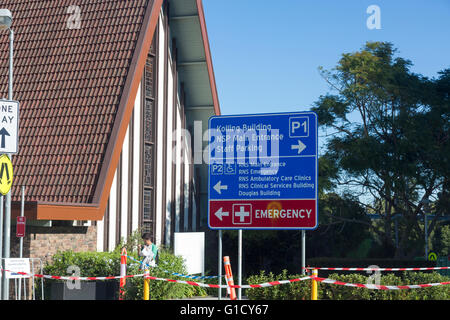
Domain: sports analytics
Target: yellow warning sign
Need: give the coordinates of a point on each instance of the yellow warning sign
(432, 256)
(6, 174)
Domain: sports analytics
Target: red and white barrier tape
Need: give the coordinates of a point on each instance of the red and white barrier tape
(192, 283)
(273, 283)
(73, 278)
(380, 269)
(261, 285)
(379, 287)
(245, 286)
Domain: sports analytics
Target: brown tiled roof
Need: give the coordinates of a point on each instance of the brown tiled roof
(69, 83)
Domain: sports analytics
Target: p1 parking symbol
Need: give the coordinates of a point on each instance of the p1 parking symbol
(298, 127)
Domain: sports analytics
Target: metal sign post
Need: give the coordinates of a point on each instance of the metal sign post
(6, 179)
(1, 246)
(220, 265)
(7, 223)
(303, 252)
(240, 264)
(20, 232)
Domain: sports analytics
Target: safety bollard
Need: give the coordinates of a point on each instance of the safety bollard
(123, 273)
(146, 285)
(229, 278)
(314, 285)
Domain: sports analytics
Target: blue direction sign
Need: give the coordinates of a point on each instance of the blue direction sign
(263, 171)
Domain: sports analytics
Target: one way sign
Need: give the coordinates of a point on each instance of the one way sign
(9, 126)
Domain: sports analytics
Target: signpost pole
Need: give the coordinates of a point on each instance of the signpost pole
(7, 232)
(1, 246)
(240, 265)
(220, 264)
(21, 242)
(22, 213)
(303, 252)
(6, 235)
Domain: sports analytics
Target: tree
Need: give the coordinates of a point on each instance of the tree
(390, 143)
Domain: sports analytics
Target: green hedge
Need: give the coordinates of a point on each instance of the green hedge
(382, 263)
(302, 290)
(364, 263)
(91, 264)
(162, 290)
(96, 264)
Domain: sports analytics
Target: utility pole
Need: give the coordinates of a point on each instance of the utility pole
(7, 224)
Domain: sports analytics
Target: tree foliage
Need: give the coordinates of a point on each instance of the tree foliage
(390, 144)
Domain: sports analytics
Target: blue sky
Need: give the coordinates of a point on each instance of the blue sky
(266, 53)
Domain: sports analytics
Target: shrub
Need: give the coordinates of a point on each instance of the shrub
(353, 263)
(96, 264)
(161, 290)
(91, 264)
(302, 290)
(337, 292)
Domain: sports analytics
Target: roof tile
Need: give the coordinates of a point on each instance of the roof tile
(68, 82)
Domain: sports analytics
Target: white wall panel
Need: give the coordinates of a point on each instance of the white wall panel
(169, 153)
(125, 186)
(136, 159)
(186, 183)
(160, 135)
(100, 234)
(112, 214)
(178, 178)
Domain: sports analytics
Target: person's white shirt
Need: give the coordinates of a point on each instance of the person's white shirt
(149, 257)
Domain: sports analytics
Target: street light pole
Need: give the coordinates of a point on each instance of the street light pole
(1, 245)
(7, 231)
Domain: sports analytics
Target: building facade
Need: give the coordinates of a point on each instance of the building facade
(106, 122)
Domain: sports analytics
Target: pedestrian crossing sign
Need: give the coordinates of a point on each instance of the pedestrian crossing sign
(6, 174)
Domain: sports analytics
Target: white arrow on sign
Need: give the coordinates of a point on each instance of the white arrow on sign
(219, 187)
(219, 214)
(300, 147)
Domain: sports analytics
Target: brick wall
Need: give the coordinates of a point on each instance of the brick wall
(44, 242)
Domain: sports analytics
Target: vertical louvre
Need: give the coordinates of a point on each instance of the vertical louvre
(149, 79)
(148, 214)
(148, 165)
(147, 227)
(148, 205)
(149, 127)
